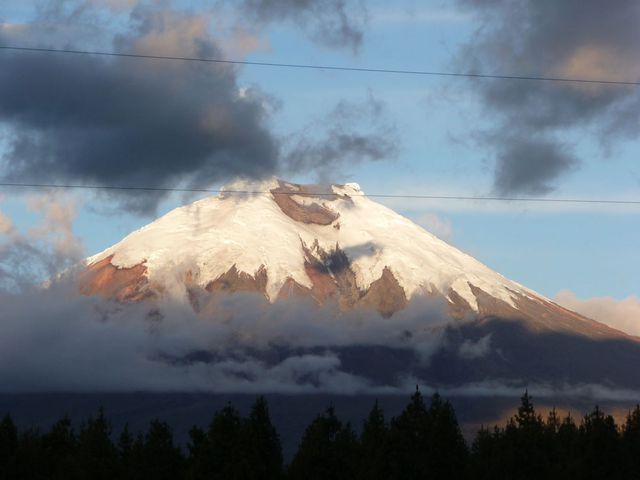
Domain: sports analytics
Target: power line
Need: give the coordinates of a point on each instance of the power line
(324, 194)
(321, 67)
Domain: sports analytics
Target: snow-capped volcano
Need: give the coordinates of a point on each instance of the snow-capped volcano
(334, 246)
(330, 243)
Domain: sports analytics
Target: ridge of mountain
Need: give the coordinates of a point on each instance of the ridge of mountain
(331, 243)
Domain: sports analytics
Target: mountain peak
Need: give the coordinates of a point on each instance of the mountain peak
(330, 243)
(283, 228)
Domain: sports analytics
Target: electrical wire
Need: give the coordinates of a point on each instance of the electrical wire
(321, 67)
(324, 194)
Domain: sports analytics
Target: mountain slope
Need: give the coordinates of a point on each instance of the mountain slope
(329, 243)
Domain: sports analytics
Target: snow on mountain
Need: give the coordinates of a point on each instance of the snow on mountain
(280, 225)
(337, 247)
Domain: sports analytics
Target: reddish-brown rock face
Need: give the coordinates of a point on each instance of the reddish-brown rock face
(385, 294)
(123, 284)
(236, 281)
(458, 307)
(306, 213)
(333, 280)
(292, 290)
(336, 283)
(328, 284)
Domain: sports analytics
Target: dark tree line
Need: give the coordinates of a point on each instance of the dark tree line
(423, 441)
(530, 447)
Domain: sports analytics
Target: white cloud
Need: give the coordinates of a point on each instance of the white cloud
(45, 250)
(6, 225)
(52, 339)
(439, 226)
(620, 314)
(470, 349)
(58, 212)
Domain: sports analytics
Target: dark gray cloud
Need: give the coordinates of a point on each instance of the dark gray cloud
(351, 133)
(335, 23)
(530, 165)
(572, 39)
(124, 121)
(118, 121)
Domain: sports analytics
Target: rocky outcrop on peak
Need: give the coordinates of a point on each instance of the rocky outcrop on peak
(331, 244)
(385, 294)
(323, 284)
(333, 279)
(458, 307)
(236, 281)
(309, 211)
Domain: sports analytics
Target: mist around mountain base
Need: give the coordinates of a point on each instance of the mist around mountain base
(55, 340)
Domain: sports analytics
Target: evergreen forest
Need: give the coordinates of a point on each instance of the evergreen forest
(423, 442)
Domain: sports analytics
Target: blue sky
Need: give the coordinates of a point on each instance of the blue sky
(590, 250)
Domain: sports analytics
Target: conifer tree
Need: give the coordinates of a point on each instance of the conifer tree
(631, 442)
(373, 457)
(8, 448)
(568, 435)
(59, 450)
(327, 450)
(224, 457)
(550, 435)
(447, 454)
(526, 418)
(198, 462)
(261, 442)
(125, 454)
(96, 456)
(486, 455)
(600, 445)
(409, 440)
(552, 425)
(525, 454)
(562, 439)
(137, 459)
(160, 458)
(30, 456)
